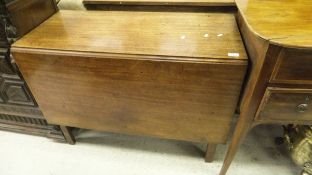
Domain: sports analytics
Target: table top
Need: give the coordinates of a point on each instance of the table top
(283, 22)
(165, 2)
(187, 35)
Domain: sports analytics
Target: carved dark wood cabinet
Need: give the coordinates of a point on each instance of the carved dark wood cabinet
(19, 111)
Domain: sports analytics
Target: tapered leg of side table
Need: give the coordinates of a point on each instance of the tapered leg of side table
(210, 152)
(69, 137)
(240, 132)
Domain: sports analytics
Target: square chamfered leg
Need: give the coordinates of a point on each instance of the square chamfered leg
(69, 137)
(210, 152)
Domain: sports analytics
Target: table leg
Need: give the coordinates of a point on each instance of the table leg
(210, 152)
(240, 132)
(69, 137)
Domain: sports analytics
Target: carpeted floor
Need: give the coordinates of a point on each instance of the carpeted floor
(100, 153)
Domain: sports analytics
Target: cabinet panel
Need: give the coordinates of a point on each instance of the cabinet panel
(293, 66)
(283, 104)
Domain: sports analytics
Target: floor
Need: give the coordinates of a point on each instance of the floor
(112, 154)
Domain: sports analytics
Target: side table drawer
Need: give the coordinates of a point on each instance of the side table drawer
(293, 66)
(285, 104)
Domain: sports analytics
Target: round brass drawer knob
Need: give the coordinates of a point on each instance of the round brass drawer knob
(302, 108)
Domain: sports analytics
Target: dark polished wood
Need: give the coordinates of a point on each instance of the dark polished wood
(160, 8)
(171, 76)
(49, 131)
(162, 2)
(293, 67)
(285, 104)
(26, 15)
(19, 111)
(278, 40)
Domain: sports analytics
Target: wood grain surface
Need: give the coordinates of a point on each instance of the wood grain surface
(176, 100)
(294, 66)
(283, 104)
(277, 35)
(186, 35)
(286, 23)
(145, 73)
(26, 15)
